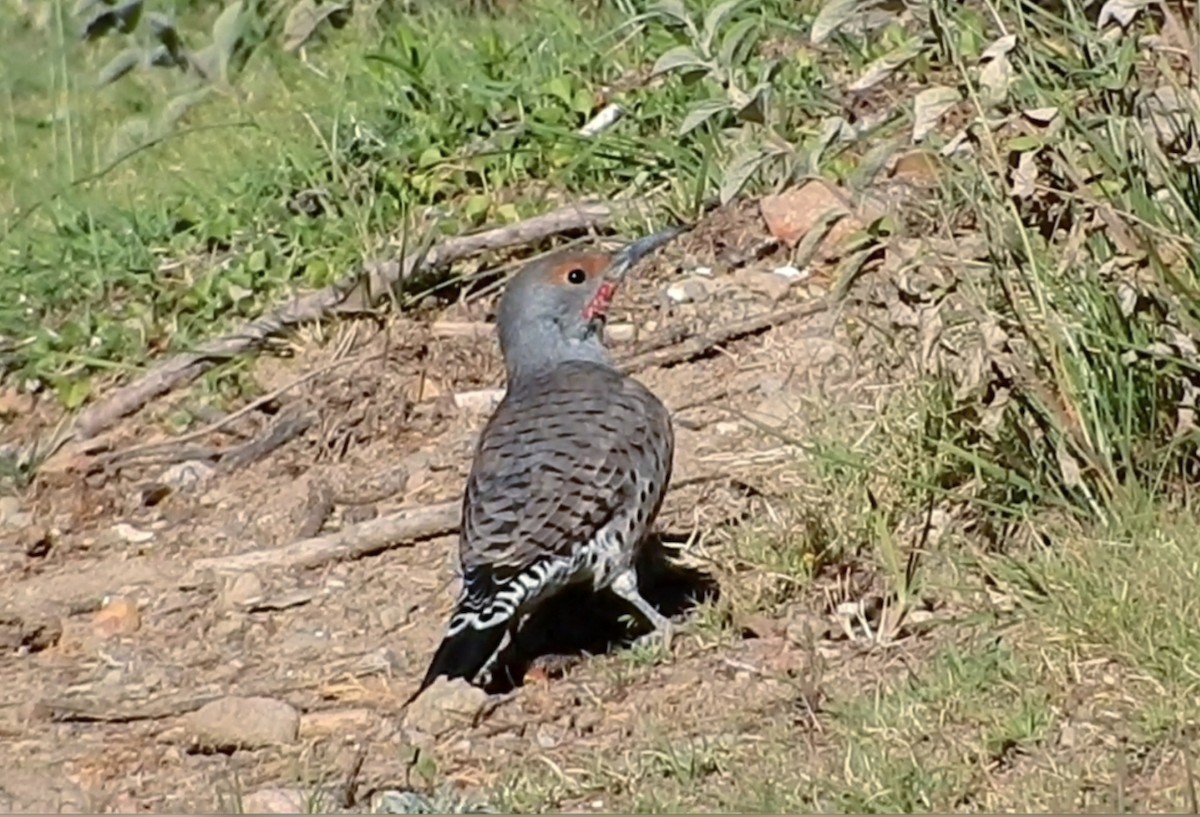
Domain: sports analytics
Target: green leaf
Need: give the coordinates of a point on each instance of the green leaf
(227, 34)
(257, 261)
(178, 107)
(739, 170)
(733, 41)
(205, 62)
(476, 207)
(1021, 144)
(560, 87)
(429, 157)
(583, 102)
(713, 21)
(701, 112)
(119, 66)
(832, 16)
(673, 9)
(74, 393)
(679, 57)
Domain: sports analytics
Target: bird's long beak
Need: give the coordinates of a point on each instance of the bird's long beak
(623, 261)
(628, 257)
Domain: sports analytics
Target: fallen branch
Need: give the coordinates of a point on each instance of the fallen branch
(377, 279)
(352, 542)
(701, 345)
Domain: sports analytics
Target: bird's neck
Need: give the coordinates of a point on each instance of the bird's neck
(532, 353)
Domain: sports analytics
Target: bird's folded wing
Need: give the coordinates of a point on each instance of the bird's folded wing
(550, 472)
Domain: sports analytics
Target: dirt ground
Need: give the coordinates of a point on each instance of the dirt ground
(103, 702)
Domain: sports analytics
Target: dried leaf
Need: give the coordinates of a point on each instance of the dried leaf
(1072, 476)
(929, 106)
(832, 16)
(119, 66)
(995, 78)
(701, 112)
(1041, 116)
(300, 24)
(1121, 12)
(999, 48)
(679, 57)
(1024, 177)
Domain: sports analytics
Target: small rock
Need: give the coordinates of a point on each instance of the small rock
(11, 515)
(46, 791)
(188, 476)
(348, 723)
(31, 632)
(481, 401)
(620, 332)
(278, 801)
(773, 286)
(793, 273)
(357, 514)
(757, 625)
(14, 403)
(445, 705)
(804, 628)
(241, 590)
(689, 290)
(128, 533)
(118, 616)
(243, 723)
(36, 542)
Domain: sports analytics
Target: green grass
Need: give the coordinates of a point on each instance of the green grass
(1052, 423)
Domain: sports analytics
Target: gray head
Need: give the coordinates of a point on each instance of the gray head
(553, 310)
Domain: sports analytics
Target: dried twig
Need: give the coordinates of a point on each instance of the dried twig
(702, 344)
(354, 541)
(282, 431)
(378, 277)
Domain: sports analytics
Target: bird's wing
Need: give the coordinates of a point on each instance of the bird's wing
(552, 467)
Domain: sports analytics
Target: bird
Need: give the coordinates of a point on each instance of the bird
(569, 471)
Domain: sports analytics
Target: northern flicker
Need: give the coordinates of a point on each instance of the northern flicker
(569, 471)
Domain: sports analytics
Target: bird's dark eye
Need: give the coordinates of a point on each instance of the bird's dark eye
(576, 276)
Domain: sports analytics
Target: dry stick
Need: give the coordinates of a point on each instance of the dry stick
(183, 368)
(702, 344)
(406, 526)
(363, 539)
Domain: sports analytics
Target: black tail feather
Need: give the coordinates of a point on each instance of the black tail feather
(464, 654)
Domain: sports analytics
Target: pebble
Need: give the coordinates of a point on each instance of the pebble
(117, 617)
(280, 801)
(689, 290)
(443, 706)
(620, 332)
(36, 542)
(235, 723)
(773, 286)
(188, 476)
(11, 515)
(241, 590)
(128, 533)
(346, 723)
